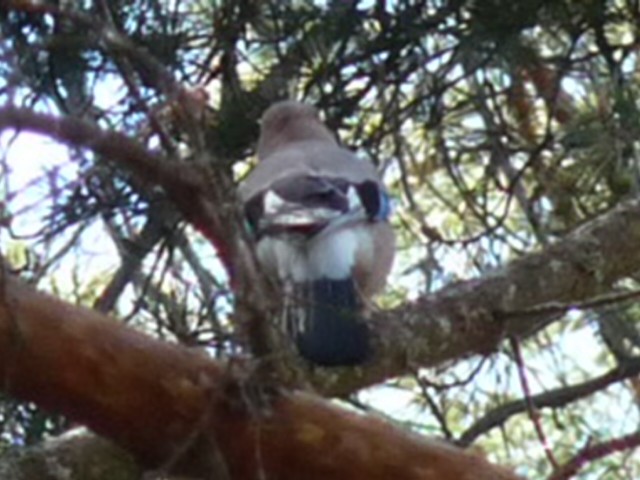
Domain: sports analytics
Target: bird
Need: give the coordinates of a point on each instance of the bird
(319, 217)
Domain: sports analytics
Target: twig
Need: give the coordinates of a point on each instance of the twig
(534, 413)
(554, 308)
(595, 452)
(555, 398)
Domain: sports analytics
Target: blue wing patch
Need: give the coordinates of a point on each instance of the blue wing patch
(375, 200)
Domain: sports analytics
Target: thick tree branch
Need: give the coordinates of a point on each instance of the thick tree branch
(172, 406)
(472, 317)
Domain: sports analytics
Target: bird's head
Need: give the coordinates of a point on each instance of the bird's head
(288, 122)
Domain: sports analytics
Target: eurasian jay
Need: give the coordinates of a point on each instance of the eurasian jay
(319, 216)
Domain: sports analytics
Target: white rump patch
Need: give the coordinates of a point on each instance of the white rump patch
(331, 254)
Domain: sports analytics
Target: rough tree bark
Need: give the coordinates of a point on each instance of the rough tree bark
(175, 409)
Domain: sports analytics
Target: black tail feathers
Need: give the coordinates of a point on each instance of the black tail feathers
(326, 325)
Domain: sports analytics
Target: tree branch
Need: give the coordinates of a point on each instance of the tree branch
(474, 316)
(186, 184)
(551, 399)
(595, 452)
(169, 405)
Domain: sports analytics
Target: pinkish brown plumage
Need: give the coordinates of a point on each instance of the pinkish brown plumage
(319, 215)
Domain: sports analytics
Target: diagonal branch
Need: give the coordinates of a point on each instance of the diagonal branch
(170, 405)
(192, 187)
(594, 452)
(474, 316)
(551, 399)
